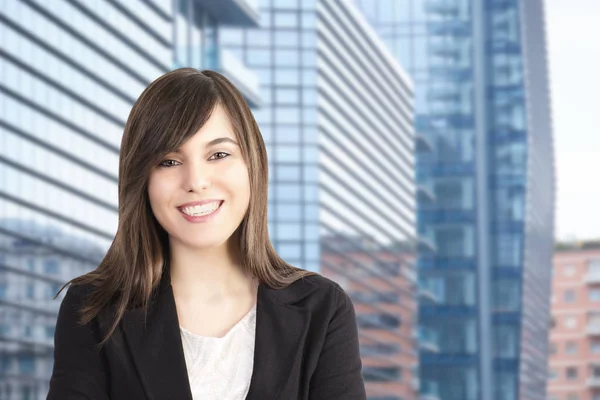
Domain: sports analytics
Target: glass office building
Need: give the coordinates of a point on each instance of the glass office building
(482, 106)
(69, 73)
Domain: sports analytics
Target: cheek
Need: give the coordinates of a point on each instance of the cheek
(236, 178)
(158, 191)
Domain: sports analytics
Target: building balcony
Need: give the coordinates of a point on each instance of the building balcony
(592, 278)
(446, 49)
(504, 47)
(239, 13)
(446, 93)
(593, 382)
(428, 341)
(431, 347)
(424, 144)
(452, 27)
(442, 7)
(426, 244)
(428, 294)
(445, 169)
(425, 194)
(447, 216)
(244, 79)
(429, 391)
(453, 72)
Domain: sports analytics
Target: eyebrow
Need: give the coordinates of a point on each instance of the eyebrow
(216, 141)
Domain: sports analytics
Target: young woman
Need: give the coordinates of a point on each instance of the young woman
(191, 300)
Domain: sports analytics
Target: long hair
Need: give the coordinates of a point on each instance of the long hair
(167, 113)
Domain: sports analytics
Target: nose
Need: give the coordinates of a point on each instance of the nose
(197, 178)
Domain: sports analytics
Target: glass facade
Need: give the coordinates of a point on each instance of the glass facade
(368, 192)
(70, 72)
(486, 165)
(282, 53)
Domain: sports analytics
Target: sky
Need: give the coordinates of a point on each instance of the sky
(573, 29)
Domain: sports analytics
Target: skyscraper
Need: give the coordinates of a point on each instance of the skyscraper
(482, 108)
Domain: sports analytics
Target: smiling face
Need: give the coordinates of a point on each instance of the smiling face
(208, 166)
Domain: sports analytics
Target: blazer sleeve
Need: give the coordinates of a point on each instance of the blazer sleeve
(338, 374)
(79, 372)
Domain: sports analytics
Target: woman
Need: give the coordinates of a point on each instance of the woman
(191, 300)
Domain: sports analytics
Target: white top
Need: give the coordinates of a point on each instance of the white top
(221, 368)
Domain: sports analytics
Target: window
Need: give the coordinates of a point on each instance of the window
(30, 291)
(594, 319)
(50, 332)
(568, 270)
(51, 266)
(26, 365)
(380, 349)
(571, 373)
(595, 345)
(26, 393)
(572, 397)
(571, 348)
(388, 268)
(552, 374)
(392, 297)
(553, 348)
(594, 267)
(570, 322)
(378, 321)
(569, 296)
(381, 373)
(594, 295)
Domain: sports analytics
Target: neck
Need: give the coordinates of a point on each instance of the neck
(208, 275)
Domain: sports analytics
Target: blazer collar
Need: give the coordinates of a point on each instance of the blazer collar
(157, 351)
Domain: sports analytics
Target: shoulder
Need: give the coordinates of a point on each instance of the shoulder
(73, 302)
(318, 289)
(324, 284)
(76, 294)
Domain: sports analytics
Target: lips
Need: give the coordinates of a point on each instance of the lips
(197, 203)
(202, 218)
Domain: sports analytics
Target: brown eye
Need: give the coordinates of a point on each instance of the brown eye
(220, 152)
(167, 163)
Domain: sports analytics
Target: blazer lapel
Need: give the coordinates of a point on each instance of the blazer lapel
(157, 350)
(281, 328)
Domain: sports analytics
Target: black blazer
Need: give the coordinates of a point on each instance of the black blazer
(306, 348)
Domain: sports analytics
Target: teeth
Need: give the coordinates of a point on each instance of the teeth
(204, 209)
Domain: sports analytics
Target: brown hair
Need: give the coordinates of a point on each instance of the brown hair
(167, 113)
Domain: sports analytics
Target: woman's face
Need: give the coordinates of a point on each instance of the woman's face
(201, 171)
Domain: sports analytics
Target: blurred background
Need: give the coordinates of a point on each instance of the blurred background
(420, 153)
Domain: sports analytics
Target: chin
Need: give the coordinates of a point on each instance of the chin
(200, 244)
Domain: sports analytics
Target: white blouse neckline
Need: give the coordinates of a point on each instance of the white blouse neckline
(197, 337)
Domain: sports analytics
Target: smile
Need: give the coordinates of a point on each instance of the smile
(202, 213)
